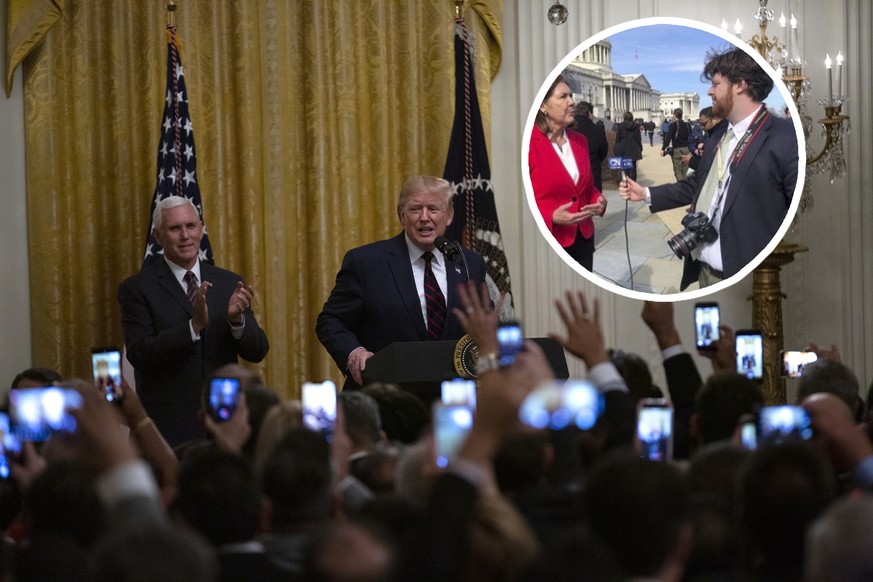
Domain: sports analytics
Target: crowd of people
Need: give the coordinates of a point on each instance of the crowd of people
(261, 497)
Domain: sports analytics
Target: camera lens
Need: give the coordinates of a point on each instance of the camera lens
(683, 243)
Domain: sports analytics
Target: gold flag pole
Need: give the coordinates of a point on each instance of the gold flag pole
(171, 13)
(458, 5)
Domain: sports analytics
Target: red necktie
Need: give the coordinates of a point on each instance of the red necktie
(191, 281)
(435, 302)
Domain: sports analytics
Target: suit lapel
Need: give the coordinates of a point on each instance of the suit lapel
(454, 277)
(168, 281)
(401, 270)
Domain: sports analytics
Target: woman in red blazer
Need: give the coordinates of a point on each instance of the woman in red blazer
(560, 173)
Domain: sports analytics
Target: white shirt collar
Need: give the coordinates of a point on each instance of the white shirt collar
(179, 272)
(415, 253)
(741, 127)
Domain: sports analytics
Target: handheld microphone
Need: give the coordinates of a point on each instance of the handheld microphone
(452, 251)
(624, 164)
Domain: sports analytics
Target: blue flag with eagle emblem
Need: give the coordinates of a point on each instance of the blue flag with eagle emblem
(475, 222)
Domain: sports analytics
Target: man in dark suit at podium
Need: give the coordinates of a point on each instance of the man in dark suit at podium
(400, 289)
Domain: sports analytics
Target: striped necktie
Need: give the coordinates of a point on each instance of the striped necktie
(435, 302)
(191, 281)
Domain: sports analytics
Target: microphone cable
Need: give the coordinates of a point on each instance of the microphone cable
(627, 240)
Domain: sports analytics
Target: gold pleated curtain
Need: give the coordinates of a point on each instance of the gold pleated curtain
(307, 114)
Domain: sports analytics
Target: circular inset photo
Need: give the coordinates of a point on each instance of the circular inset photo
(666, 159)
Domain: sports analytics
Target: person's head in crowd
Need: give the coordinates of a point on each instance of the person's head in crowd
(714, 470)
(522, 462)
(155, 552)
(707, 119)
(677, 113)
(636, 374)
(363, 422)
(784, 488)
(838, 543)
(378, 468)
(713, 481)
(558, 110)
(219, 495)
(296, 480)
(36, 378)
(834, 378)
(415, 472)
(501, 542)
(279, 420)
(403, 415)
(425, 209)
(721, 401)
(584, 110)
(639, 510)
(63, 500)
(345, 551)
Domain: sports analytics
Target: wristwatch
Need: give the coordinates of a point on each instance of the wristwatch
(486, 363)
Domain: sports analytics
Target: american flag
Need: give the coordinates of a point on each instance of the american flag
(475, 222)
(177, 162)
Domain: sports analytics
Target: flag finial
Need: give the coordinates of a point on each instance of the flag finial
(458, 5)
(171, 13)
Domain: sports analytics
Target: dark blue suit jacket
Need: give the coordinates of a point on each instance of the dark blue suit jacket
(758, 195)
(170, 368)
(374, 302)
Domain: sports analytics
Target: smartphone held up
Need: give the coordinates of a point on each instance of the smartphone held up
(106, 367)
(319, 407)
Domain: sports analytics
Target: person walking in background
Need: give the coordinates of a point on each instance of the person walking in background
(628, 143)
(676, 144)
(649, 126)
(598, 147)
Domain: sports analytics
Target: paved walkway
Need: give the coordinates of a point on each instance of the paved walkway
(654, 266)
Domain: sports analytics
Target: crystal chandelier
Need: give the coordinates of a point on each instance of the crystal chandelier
(784, 56)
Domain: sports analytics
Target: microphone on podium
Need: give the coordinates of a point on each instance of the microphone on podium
(452, 251)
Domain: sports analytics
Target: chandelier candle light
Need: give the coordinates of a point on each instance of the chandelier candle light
(785, 57)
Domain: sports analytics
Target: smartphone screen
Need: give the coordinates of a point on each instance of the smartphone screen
(223, 398)
(794, 361)
(459, 391)
(510, 340)
(106, 365)
(781, 423)
(750, 353)
(11, 446)
(749, 434)
(655, 429)
(319, 406)
(35, 413)
(706, 322)
(558, 405)
(451, 424)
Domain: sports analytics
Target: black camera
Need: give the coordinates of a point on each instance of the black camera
(668, 151)
(698, 230)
